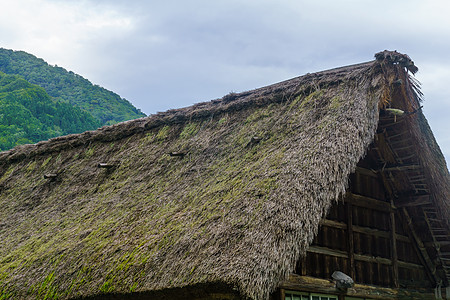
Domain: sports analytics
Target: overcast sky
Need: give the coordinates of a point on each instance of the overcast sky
(170, 54)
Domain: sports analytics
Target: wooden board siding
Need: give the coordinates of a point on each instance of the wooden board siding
(357, 238)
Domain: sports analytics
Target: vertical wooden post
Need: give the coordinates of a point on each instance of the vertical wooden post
(351, 248)
(394, 257)
(282, 294)
(303, 266)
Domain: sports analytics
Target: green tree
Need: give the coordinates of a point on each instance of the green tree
(66, 86)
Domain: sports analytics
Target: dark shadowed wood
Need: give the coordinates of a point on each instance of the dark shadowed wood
(394, 250)
(368, 202)
(423, 255)
(364, 230)
(361, 257)
(351, 256)
(413, 201)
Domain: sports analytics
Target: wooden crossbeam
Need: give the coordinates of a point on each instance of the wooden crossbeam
(361, 257)
(364, 230)
(367, 202)
(367, 172)
(413, 201)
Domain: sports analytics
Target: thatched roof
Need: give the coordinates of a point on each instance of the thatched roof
(230, 191)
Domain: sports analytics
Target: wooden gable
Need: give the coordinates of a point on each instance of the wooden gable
(384, 233)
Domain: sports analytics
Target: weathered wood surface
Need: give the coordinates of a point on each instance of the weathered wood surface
(311, 284)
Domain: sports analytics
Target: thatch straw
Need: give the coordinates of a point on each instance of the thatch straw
(233, 209)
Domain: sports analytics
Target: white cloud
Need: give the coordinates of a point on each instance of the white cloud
(60, 32)
(142, 49)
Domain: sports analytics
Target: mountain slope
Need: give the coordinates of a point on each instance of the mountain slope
(28, 114)
(102, 104)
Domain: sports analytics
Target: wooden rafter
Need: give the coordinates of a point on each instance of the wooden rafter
(430, 267)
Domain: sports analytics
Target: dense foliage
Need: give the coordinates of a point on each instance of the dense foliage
(28, 114)
(66, 86)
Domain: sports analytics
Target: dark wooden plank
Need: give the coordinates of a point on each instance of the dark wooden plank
(364, 230)
(351, 248)
(367, 202)
(367, 172)
(420, 248)
(413, 201)
(394, 256)
(360, 257)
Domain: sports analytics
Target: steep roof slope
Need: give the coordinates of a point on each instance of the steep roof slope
(228, 191)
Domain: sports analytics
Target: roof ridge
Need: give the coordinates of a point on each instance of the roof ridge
(230, 102)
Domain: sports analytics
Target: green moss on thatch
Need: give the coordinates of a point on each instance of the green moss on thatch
(240, 206)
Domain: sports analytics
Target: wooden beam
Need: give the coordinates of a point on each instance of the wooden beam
(361, 257)
(420, 247)
(282, 294)
(327, 251)
(400, 168)
(394, 250)
(363, 201)
(351, 256)
(303, 270)
(316, 285)
(364, 230)
(367, 172)
(413, 201)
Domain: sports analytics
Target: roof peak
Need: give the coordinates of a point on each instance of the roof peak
(394, 57)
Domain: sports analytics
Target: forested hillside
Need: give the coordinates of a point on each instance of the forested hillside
(28, 114)
(66, 86)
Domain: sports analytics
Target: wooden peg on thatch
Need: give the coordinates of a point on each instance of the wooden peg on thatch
(105, 165)
(177, 154)
(254, 140)
(50, 176)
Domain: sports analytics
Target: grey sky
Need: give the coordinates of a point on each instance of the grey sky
(168, 54)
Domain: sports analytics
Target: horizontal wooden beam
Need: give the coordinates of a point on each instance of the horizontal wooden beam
(413, 201)
(437, 244)
(364, 230)
(361, 257)
(367, 202)
(367, 172)
(327, 251)
(317, 285)
(400, 168)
